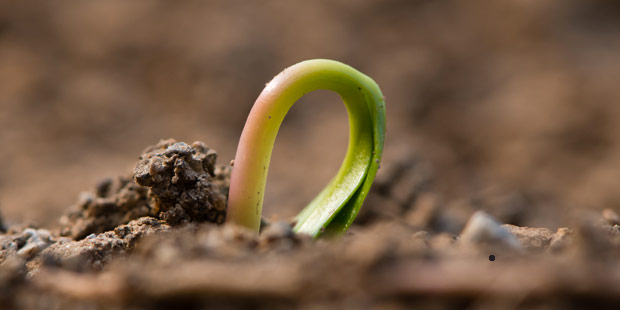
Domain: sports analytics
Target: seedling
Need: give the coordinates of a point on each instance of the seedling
(333, 210)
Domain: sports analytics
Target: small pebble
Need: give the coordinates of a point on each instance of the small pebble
(36, 241)
(611, 217)
(277, 230)
(484, 229)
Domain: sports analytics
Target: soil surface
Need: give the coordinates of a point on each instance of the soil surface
(156, 239)
(498, 187)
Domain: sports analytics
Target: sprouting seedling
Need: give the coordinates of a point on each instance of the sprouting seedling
(336, 206)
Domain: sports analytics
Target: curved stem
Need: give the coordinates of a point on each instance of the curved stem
(338, 203)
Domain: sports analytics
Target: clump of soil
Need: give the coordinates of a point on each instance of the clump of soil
(95, 251)
(179, 178)
(114, 202)
(173, 181)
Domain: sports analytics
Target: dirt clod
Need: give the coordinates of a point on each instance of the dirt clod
(173, 181)
(113, 203)
(179, 178)
(95, 251)
(26, 244)
(540, 239)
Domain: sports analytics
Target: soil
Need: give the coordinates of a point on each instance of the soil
(157, 239)
(498, 187)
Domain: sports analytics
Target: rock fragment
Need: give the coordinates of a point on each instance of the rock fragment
(35, 240)
(484, 230)
(561, 239)
(278, 235)
(611, 217)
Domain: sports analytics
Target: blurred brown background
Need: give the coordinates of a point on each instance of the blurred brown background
(520, 96)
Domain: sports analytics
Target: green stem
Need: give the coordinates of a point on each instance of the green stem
(338, 203)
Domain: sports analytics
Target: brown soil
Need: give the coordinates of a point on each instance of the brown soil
(159, 242)
(501, 116)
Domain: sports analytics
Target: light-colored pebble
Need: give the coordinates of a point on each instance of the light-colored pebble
(482, 229)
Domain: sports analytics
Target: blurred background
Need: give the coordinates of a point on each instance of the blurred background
(512, 97)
